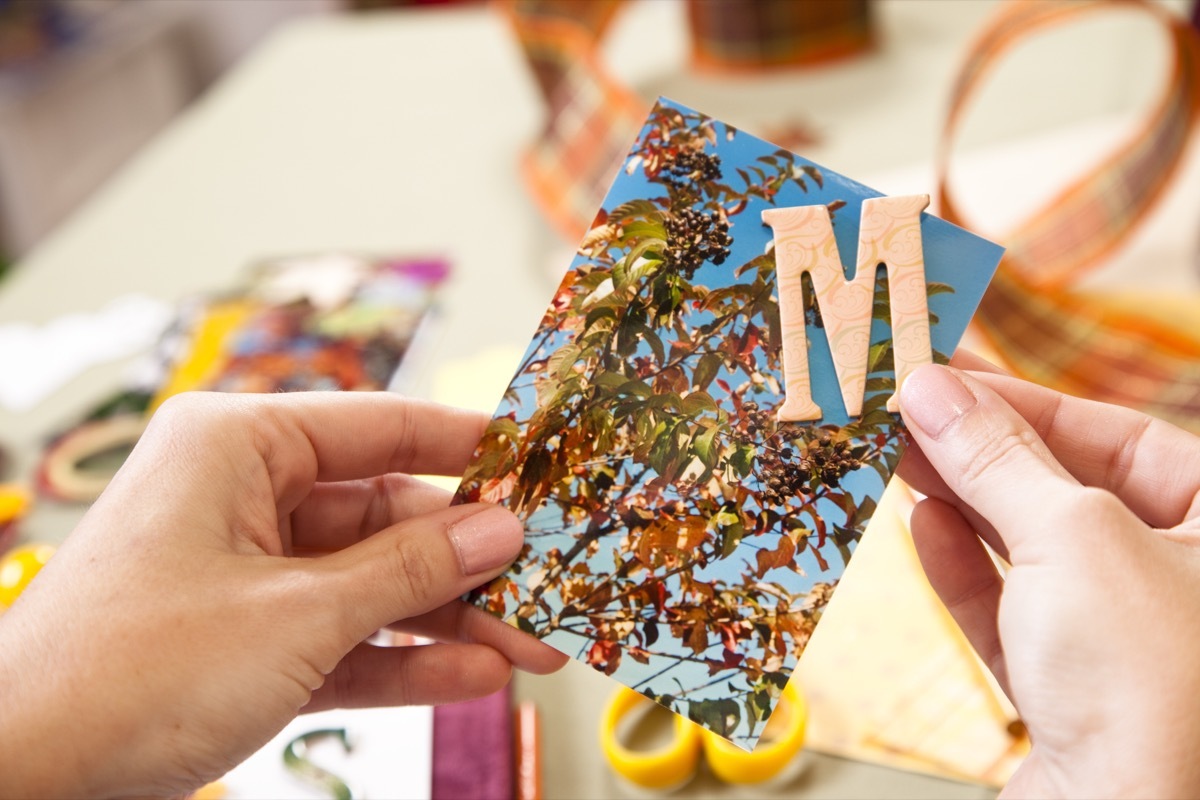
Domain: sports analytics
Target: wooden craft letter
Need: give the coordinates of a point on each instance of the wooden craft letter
(889, 234)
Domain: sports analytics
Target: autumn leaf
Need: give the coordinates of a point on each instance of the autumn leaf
(604, 656)
(781, 556)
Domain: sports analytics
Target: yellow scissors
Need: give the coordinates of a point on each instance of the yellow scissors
(674, 764)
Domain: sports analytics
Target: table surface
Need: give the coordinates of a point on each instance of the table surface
(400, 133)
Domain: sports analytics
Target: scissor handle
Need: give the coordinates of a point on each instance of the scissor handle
(732, 764)
(674, 764)
(666, 768)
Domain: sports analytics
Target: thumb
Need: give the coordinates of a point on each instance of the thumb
(420, 564)
(986, 453)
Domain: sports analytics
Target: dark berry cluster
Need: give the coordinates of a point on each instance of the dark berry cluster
(693, 166)
(757, 424)
(797, 469)
(833, 459)
(694, 237)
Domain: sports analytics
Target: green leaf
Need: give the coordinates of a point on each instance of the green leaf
(609, 379)
(563, 360)
(651, 338)
(878, 354)
(632, 210)
(932, 289)
(698, 402)
(707, 369)
(741, 459)
(503, 426)
(636, 388)
(636, 230)
(719, 716)
(731, 537)
(879, 384)
(620, 275)
(702, 445)
(601, 312)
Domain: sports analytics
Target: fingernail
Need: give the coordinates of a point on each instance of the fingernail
(487, 539)
(933, 398)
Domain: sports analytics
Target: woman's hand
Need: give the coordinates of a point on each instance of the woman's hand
(1093, 631)
(227, 580)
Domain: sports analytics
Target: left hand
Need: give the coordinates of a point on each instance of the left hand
(227, 580)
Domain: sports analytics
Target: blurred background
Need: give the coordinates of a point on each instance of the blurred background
(86, 84)
(399, 186)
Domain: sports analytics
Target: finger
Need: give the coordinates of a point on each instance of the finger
(369, 676)
(336, 515)
(460, 622)
(969, 361)
(417, 565)
(1153, 466)
(915, 470)
(304, 437)
(987, 454)
(962, 573)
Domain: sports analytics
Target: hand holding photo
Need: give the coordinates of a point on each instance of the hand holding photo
(698, 432)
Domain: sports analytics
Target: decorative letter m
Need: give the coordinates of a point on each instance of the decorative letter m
(889, 234)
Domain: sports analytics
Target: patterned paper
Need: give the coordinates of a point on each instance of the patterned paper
(678, 537)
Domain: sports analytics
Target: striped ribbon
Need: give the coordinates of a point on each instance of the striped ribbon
(592, 117)
(1087, 344)
(1080, 343)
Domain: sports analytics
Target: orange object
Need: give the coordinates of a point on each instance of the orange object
(529, 752)
(20, 567)
(1034, 315)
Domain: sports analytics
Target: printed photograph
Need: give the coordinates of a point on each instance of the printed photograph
(678, 537)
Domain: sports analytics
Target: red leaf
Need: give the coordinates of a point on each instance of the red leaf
(605, 656)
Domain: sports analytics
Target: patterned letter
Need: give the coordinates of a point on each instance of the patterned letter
(889, 234)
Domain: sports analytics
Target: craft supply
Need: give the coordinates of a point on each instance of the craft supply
(1084, 343)
(19, 567)
(674, 764)
(324, 322)
(14, 504)
(297, 761)
(68, 470)
(391, 756)
(473, 753)
(679, 536)
(14, 501)
(37, 360)
(735, 36)
(529, 752)
(891, 679)
(590, 114)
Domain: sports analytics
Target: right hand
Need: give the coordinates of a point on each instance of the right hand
(1093, 632)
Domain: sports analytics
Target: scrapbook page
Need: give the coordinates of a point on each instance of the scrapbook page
(303, 323)
(704, 420)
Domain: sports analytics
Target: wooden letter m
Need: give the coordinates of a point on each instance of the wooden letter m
(890, 235)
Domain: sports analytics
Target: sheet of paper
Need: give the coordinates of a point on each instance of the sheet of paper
(889, 677)
(680, 538)
(37, 360)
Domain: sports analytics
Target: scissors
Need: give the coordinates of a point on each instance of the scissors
(673, 765)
